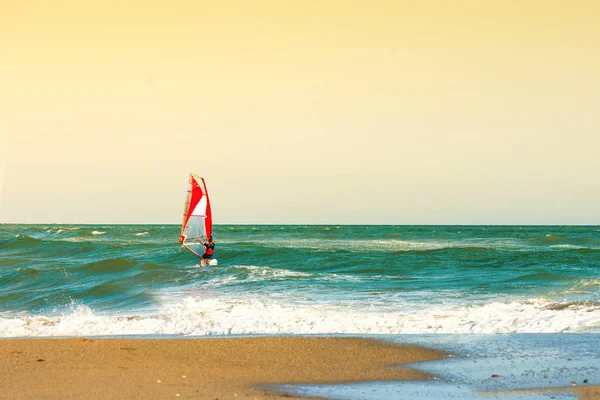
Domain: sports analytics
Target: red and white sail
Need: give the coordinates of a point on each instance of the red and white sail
(197, 217)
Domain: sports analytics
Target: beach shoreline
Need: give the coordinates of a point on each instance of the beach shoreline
(258, 367)
(206, 368)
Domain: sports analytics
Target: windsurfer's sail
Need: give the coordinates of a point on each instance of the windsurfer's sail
(197, 217)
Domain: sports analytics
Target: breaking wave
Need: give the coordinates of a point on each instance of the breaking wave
(192, 316)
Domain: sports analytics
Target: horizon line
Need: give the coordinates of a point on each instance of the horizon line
(286, 224)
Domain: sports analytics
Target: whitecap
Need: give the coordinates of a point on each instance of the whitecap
(205, 313)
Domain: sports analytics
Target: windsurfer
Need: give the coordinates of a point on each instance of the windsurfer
(209, 250)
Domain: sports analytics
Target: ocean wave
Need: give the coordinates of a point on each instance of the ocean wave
(566, 242)
(584, 286)
(98, 233)
(154, 266)
(589, 282)
(107, 266)
(399, 246)
(248, 274)
(538, 277)
(345, 278)
(269, 271)
(20, 241)
(104, 290)
(244, 274)
(386, 245)
(212, 316)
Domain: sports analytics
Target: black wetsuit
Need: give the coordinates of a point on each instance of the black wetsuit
(209, 250)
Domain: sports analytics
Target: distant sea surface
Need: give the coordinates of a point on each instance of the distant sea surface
(67, 280)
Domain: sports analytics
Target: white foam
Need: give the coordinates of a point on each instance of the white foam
(254, 274)
(568, 246)
(141, 234)
(589, 282)
(583, 286)
(98, 233)
(205, 314)
(394, 244)
(346, 278)
(261, 271)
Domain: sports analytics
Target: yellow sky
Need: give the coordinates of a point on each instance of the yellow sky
(302, 111)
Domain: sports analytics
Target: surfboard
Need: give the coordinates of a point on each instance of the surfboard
(196, 226)
(212, 263)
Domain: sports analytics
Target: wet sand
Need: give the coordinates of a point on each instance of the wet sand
(582, 392)
(588, 393)
(211, 368)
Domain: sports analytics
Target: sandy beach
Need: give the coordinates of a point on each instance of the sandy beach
(211, 368)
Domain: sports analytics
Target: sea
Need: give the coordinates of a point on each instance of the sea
(118, 280)
(517, 308)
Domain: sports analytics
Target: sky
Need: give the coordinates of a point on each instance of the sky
(301, 111)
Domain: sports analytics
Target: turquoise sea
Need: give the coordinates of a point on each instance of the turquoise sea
(518, 307)
(66, 280)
